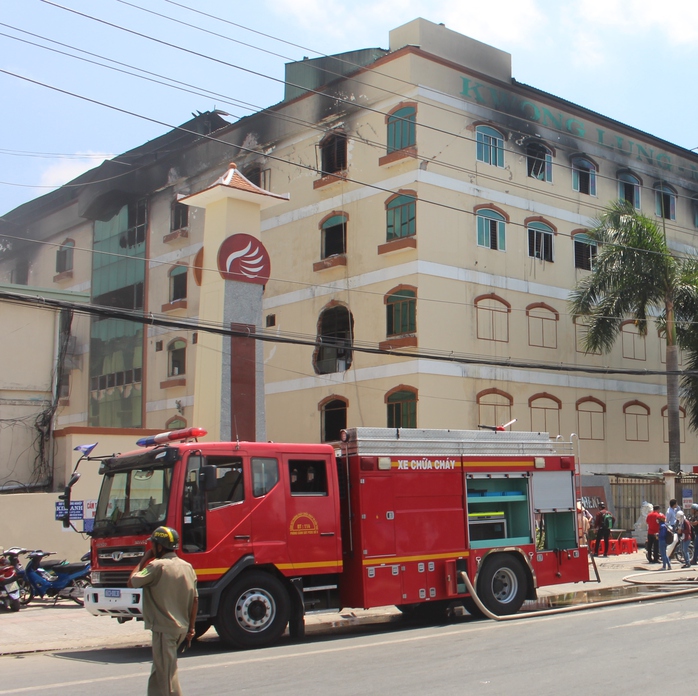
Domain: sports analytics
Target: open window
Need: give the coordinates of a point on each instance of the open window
(334, 338)
(333, 411)
(585, 250)
(540, 241)
(491, 229)
(539, 161)
(629, 189)
(334, 235)
(665, 201)
(584, 175)
(402, 407)
(64, 257)
(177, 358)
(333, 153)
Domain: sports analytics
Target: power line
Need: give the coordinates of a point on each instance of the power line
(153, 319)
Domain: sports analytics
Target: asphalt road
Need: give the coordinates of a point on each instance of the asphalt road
(612, 648)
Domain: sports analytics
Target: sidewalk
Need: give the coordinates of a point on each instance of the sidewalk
(43, 626)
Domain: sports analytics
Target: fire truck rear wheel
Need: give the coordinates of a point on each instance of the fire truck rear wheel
(502, 584)
(254, 612)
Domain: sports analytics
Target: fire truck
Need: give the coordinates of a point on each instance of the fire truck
(420, 519)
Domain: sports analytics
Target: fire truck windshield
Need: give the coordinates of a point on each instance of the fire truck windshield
(133, 499)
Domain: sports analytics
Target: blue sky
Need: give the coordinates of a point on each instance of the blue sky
(631, 61)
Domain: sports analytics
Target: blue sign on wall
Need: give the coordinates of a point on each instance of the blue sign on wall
(76, 509)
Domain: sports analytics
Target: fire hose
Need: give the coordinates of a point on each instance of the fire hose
(575, 607)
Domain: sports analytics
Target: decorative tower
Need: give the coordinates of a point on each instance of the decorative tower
(235, 266)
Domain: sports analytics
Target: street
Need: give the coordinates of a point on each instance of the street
(576, 653)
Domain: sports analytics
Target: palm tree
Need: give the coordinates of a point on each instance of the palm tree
(635, 275)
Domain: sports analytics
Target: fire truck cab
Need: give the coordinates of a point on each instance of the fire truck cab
(387, 516)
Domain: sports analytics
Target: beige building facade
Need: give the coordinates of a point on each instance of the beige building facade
(420, 267)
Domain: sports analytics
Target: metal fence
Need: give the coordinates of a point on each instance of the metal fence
(629, 492)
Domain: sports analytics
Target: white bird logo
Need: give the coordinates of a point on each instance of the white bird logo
(250, 261)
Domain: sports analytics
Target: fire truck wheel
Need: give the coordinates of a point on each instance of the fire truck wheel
(254, 611)
(502, 584)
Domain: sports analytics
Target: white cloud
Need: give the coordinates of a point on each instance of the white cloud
(67, 169)
(675, 21)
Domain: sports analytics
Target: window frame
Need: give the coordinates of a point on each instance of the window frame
(544, 163)
(626, 179)
(584, 173)
(634, 419)
(540, 240)
(542, 325)
(633, 343)
(491, 226)
(660, 192)
(331, 405)
(334, 154)
(176, 356)
(489, 145)
(338, 223)
(400, 217)
(496, 401)
(584, 260)
(178, 277)
(596, 419)
(401, 129)
(401, 407)
(401, 312)
(547, 409)
(65, 256)
(486, 317)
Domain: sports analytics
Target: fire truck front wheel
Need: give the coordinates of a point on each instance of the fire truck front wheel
(502, 584)
(254, 611)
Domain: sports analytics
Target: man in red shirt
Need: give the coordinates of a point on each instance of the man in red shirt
(652, 545)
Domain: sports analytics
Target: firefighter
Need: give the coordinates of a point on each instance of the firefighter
(170, 604)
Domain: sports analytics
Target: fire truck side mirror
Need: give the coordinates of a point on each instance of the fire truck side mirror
(207, 478)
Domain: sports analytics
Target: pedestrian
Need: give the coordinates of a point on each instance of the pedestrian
(652, 545)
(671, 513)
(603, 524)
(170, 605)
(694, 529)
(683, 529)
(583, 523)
(664, 531)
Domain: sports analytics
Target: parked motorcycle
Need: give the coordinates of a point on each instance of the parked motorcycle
(12, 557)
(61, 581)
(9, 589)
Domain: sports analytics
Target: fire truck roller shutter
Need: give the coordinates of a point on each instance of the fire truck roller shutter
(254, 610)
(502, 583)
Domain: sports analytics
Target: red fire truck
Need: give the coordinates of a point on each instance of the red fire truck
(386, 517)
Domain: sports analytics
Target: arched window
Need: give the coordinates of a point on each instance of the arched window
(493, 407)
(178, 283)
(682, 424)
(542, 325)
(591, 416)
(176, 423)
(539, 161)
(637, 421)
(694, 210)
(491, 229)
(401, 214)
(490, 146)
(545, 414)
(634, 344)
(665, 201)
(584, 176)
(402, 407)
(401, 312)
(333, 153)
(64, 256)
(177, 358)
(334, 235)
(492, 316)
(401, 128)
(334, 338)
(585, 250)
(540, 241)
(629, 189)
(333, 412)
(662, 349)
(581, 328)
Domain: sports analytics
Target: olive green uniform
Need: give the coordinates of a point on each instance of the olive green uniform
(169, 590)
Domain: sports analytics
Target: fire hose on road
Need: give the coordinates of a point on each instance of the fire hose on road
(580, 607)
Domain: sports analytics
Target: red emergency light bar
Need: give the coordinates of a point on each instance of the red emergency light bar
(171, 435)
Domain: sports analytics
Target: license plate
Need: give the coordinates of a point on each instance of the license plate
(12, 587)
(112, 593)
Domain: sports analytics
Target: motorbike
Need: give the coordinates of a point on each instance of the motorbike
(60, 581)
(9, 589)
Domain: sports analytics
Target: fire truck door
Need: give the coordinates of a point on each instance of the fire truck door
(377, 516)
(314, 541)
(228, 507)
